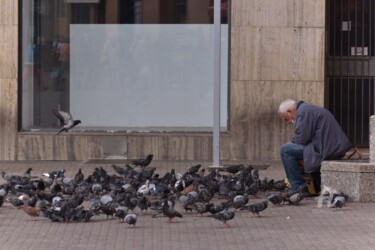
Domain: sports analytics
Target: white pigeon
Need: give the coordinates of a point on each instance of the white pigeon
(105, 199)
(144, 189)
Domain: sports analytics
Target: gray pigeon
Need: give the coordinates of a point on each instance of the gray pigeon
(296, 198)
(216, 208)
(240, 201)
(66, 119)
(4, 189)
(170, 212)
(16, 202)
(257, 207)
(223, 189)
(202, 207)
(223, 216)
(131, 219)
(338, 201)
(7, 176)
(121, 213)
(106, 199)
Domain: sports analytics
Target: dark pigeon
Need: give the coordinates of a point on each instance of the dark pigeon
(27, 173)
(121, 212)
(276, 199)
(143, 162)
(194, 169)
(143, 203)
(170, 212)
(79, 176)
(233, 169)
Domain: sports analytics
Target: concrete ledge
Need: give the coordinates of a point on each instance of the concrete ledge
(353, 177)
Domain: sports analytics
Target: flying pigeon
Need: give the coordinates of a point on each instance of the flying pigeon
(67, 119)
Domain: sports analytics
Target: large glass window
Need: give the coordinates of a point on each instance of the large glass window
(122, 65)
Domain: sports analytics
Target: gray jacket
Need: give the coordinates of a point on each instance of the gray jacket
(320, 134)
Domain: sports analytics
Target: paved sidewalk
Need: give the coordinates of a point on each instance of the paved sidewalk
(286, 227)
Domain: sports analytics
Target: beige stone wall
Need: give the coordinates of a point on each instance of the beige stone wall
(277, 52)
(8, 78)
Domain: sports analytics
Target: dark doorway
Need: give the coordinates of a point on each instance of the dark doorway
(350, 65)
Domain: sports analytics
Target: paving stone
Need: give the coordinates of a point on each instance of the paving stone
(308, 226)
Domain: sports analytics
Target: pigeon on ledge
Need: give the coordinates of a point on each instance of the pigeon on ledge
(143, 162)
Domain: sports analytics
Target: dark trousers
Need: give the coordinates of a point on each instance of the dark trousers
(317, 180)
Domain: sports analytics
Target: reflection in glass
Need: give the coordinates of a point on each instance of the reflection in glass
(121, 65)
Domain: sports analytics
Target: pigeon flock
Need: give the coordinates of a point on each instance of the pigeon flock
(135, 189)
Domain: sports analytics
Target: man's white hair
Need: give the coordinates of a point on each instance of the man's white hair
(285, 105)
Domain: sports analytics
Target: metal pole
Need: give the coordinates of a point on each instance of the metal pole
(216, 109)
